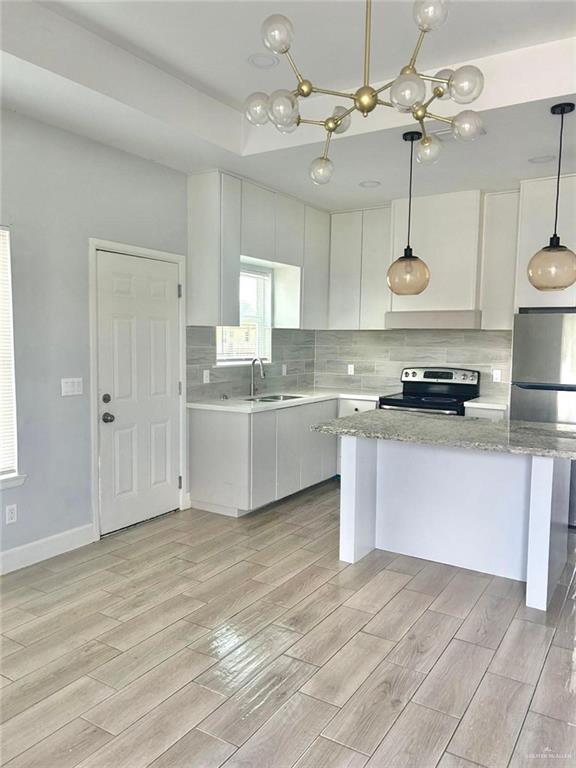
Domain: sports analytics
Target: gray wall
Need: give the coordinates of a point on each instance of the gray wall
(59, 190)
(321, 358)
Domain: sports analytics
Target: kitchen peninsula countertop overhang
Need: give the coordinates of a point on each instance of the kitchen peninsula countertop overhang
(518, 437)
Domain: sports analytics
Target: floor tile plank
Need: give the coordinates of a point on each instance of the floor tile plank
(522, 651)
(426, 640)
(378, 591)
(329, 636)
(207, 751)
(556, 690)
(396, 617)
(544, 741)
(327, 754)
(488, 621)
(317, 606)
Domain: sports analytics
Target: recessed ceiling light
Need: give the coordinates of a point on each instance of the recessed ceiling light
(370, 184)
(542, 159)
(263, 60)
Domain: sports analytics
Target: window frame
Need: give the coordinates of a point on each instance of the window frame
(12, 477)
(254, 270)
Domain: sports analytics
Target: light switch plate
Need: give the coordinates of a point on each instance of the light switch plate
(70, 387)
(351, 369)
(496, 375)
(206, 376)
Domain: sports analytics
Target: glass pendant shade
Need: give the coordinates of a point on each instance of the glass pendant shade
(445, 74)
(407, 91)
(321, 170)
(429, 14)
(466, 84)
(408, 275)
(553, 268)
(467, 125)
(428, 150)
(277, 33)
(346, 121)
(256, 108)
(283, 108)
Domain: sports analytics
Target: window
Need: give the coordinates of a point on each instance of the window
(253, 337)
(8, 441)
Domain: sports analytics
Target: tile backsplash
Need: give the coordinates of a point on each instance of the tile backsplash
(320, 359)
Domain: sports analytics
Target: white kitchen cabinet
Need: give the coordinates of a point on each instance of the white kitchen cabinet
(258, 222)
(316, 272)
(288, 450)
(374, 292)
(289, 231)
(345, 270)
(499, 245)
(446, 235)
(213, 263)
(263, 460)
(535, 226)
(318, 455)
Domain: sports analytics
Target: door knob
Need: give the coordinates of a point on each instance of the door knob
(107, 418)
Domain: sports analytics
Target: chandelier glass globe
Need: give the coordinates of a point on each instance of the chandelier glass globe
(321, 170)
(466, 84)
(277, 33)
(345, 124)
(408, 275)
(430, 14)
(467, 125)
(445, 74)
(282, 108)
(428, 150)
(407, 91)
(256, 108)
(553, 268)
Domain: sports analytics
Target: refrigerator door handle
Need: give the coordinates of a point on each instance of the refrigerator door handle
(545, 387)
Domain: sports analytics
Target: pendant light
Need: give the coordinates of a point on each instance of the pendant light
(409, 275)
(553, 268)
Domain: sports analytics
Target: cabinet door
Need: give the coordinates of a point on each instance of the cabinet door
(288, 431)
(445, 234)
(345, 266)
(375, 294)
(263, 465)
(203, 261)
(258, 222)
(318, 451)
(535, 224)
(500, 240)
(229, 251)
(289, 231)
(316, 273)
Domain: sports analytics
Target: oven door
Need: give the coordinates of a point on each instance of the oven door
(447, 412)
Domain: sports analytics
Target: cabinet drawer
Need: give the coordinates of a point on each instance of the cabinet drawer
(350, 407)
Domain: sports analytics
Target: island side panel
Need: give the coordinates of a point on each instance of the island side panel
(357, 498)
(548, 534)
(456, 506)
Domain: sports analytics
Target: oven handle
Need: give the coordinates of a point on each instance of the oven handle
(416, 410)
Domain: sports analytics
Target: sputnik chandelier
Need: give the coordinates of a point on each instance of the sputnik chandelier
(407, 92)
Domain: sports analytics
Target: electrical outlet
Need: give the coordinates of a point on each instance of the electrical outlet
(284, 369)
(70, 387)
(351, 369)
(206, 376)
(11, 513)
(496, 375)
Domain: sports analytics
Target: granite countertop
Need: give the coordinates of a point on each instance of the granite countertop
(524, 437)
(246, 405)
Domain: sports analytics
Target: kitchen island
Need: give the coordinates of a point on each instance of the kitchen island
(492, 497)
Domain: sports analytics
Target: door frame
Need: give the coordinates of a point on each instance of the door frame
(95, 245)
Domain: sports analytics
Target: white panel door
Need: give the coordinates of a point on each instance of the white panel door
(345, 269)
(138, 364)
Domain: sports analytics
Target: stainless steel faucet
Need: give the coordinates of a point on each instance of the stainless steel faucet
(262, 373)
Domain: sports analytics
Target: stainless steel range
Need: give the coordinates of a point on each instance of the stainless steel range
(441, 390)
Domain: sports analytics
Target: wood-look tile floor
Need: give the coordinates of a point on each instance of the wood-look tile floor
(198, 641)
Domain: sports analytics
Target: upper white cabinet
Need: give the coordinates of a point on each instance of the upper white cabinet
(316, 272)
(213, 264)
(345, 269)
(535, 226)
(258, 222)
(374, 292)
(499, 245)
(289, 231)
(446, 235)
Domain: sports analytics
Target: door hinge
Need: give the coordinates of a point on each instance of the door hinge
(180, 482)
(179, 290)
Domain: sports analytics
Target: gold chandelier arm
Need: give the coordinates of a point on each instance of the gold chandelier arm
(303, 121)
(345, 114)
(327, 145)
(329, 92)
(423, 128)
(385, 87)
(432, 116)
(384, 103)
(433, 79)
(367, 39)
(417, 48)
(293, 65)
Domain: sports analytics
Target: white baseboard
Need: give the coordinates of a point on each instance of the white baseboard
(219, 509)
(36, 551)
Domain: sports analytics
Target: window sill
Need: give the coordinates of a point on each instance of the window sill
(237, 363)
(11, 481)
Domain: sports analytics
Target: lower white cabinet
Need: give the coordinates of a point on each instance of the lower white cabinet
(242, 461)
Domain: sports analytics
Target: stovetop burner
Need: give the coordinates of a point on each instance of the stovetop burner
(444, 390)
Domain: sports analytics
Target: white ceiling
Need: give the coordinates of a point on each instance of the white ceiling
(136, 81)
(207, 44)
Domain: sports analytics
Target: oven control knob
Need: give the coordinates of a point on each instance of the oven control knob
(464, 376)
(413, 373)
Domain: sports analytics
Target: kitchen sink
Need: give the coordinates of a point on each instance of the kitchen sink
(273, 398)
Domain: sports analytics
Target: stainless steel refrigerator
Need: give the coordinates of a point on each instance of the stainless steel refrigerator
(544, 371)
